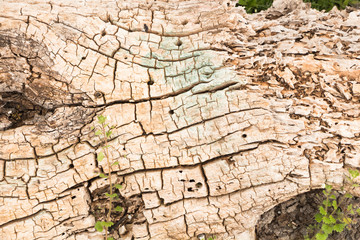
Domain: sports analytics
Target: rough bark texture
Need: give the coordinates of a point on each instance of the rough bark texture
(220, 115)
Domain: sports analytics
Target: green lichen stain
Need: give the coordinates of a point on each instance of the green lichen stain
(170, 43)
(147, 61)
(187, 67)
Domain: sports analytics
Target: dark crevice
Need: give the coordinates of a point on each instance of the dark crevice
(16, 110)
(290, 220)
(132, 209)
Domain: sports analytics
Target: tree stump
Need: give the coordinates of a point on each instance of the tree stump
(219, 115)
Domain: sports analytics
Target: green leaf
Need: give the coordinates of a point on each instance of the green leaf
(98, 132)
(339, 227)
(119, 209)
(108, 133)
(114, 195)
(110, 238)
(326, 220)
(332, 197)
(355, 185)
(329, 220)
(326, 203)
(322, 210)
(92, 127)
(348, 195)
(100, 156)
(354, 173)
(347, 220)
(321, 236)
(118, 186)
(99, 226)
(115, 163)
(328, 229)
(332, 219)
(334, 204)
(358, 211)
(328, 187)
(101, 119)
(107, 224)
(103, 175)
(318, 217)
(311, 226)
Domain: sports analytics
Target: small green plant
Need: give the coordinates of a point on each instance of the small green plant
(327, 5)
(334, 215)
(254, 6)
(104, 131)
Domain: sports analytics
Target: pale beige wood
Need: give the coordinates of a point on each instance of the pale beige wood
(220, 115)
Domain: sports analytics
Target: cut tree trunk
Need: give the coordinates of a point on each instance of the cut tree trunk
(219, 115)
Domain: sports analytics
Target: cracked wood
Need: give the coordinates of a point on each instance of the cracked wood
(219, 115)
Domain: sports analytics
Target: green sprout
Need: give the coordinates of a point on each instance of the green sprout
(331, 217)
(104, 132)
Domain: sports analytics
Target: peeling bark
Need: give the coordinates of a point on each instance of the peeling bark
(219, 115)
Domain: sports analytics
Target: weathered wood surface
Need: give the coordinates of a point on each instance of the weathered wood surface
(221, 115)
